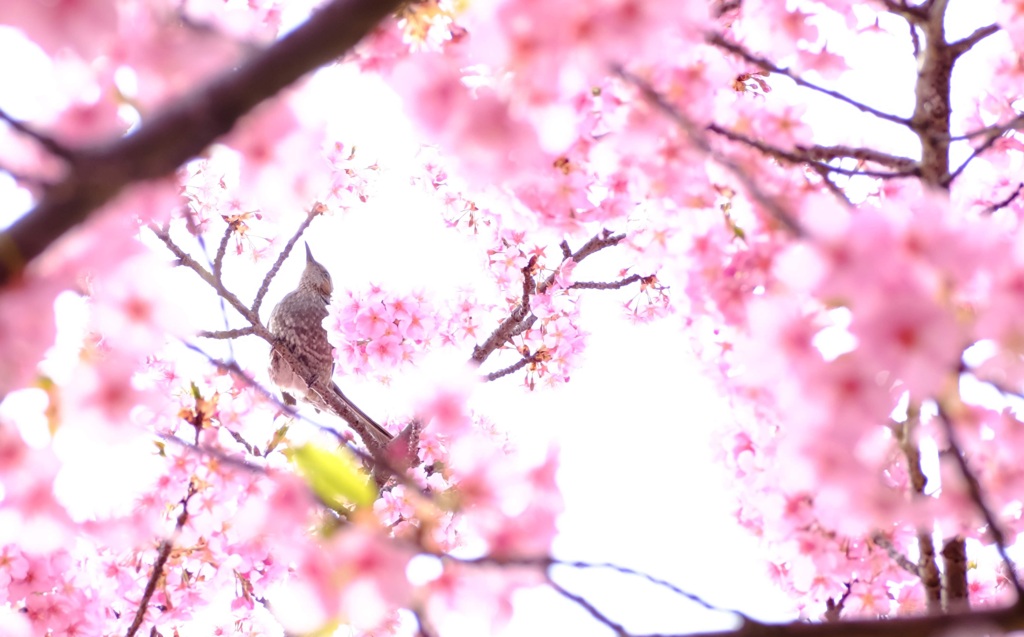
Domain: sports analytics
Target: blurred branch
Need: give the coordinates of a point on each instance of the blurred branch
(902, 560)
(962, 46)
(48, 143)
(696, 135)
(1002, 203)
(582, 602)
(994, 129)
(184, 127)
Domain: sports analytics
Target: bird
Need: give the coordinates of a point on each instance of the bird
(297, 323)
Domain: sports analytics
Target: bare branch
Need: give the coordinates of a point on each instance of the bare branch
(719, 41)
(545, 561)
(281, 258)
(962, 46)
(187, 261)
(186, 126)
(617, 628)
(987, 144)
(218, 260)
(606, 285)
(228, 334)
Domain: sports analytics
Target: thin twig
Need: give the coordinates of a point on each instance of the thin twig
(280, 260)
(605, 285)
(617, 628)
(974, 490)
(158, 566)
(227, 334)
(185, 259)
(987, 144)
(220, 455)
(999, 205)
(218, 261)
(719, 41)
(548, 561)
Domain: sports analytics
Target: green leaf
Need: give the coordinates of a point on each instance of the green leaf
(335, 476)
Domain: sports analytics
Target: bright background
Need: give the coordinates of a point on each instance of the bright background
(635, 422)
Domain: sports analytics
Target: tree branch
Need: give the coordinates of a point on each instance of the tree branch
(158, 566)
(974, 490)
(520, 313)
(719, 41)
(770, 205)
(818, 155)
(48, 143)
(317, 209)
(963, 46)
(185, 127)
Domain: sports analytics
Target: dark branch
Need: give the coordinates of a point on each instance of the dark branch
(764, 63)
(185, 127)
(48, 143)
(1002, 203)
(158, 566)
(617, 628)
(987, 144)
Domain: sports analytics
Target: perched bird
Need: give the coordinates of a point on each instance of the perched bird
(297, 322)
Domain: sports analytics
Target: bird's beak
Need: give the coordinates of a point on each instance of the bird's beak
(309, 255)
